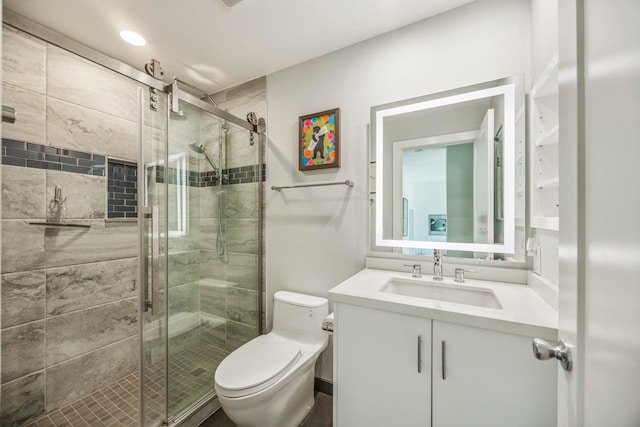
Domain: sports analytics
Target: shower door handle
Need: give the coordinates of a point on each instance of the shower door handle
(151, 286)
(155, 259)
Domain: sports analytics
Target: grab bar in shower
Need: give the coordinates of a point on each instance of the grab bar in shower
(348, 183)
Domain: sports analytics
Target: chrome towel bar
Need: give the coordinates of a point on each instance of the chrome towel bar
(319, 184)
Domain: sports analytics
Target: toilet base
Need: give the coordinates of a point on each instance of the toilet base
(285, 407)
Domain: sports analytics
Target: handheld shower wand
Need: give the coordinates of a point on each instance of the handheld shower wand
(199, 148)
(220, 238)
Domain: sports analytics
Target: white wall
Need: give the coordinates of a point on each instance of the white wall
(317, 237)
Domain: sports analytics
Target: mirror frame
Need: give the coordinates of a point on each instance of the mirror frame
(378, 113)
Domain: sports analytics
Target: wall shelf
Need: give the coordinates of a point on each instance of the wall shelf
(547, 83)
(546, 222)
(549, 138)
(58, 224)
(553, 182)
(544, 150)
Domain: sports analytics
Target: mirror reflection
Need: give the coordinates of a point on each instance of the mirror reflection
(445, 171)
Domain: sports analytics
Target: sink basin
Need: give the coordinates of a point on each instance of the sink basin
(458, 294)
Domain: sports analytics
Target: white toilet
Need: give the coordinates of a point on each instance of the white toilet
(268, 382)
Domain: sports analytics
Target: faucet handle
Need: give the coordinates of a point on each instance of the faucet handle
(417, 269)
(459, 274)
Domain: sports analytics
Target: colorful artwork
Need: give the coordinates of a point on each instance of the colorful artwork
(319, 140)
(438, 225)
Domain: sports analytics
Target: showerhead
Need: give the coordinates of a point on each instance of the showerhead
(199, 148)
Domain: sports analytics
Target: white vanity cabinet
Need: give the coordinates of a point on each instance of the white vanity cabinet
(488, 378)
(377, 380)
(491, 378)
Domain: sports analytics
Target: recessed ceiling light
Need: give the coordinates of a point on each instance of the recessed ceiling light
(132, 37)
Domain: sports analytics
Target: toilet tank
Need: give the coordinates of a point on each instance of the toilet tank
(299, 317)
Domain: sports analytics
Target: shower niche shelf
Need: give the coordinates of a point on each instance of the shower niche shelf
(59, 224)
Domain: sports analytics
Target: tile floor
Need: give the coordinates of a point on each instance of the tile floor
(321, 415)
(191, 374)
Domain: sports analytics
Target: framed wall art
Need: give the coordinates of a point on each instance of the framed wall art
(319, 140)
(438, 225)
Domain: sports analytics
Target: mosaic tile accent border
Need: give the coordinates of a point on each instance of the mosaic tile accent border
(122, 188)
(26, 154)
(240, 175)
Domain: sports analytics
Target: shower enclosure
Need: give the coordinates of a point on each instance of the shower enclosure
(200, 191)
(117, 310)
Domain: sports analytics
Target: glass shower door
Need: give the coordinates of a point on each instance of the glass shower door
(212, 252)
(200, 252)
(152, 191)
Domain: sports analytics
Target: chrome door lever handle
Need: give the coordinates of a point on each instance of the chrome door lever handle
(542, 350)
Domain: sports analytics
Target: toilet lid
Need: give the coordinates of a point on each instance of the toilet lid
(255, 365)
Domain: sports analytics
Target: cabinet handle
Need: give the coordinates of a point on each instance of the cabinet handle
(444, 360)
(419, 354)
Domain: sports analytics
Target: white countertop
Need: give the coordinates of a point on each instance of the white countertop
(523, 311)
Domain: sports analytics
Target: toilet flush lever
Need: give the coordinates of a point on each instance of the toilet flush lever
(542, 350)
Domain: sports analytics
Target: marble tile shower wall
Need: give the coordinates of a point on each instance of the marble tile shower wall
(230, 285)
(69, 297)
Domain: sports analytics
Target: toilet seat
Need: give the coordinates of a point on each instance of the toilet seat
(256, 365)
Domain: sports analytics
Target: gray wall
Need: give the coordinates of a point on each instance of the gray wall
(69, 297)
(229, 285)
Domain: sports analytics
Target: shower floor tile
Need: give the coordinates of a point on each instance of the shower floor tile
(191, 373)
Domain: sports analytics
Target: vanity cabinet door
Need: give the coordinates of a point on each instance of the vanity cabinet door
(490, 379)
(377, 380)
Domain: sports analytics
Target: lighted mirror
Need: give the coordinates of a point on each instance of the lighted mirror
(446, 172)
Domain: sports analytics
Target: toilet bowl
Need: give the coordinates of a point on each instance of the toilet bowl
(268, 382)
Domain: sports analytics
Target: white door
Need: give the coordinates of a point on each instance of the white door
(483, 185)
(599, 205)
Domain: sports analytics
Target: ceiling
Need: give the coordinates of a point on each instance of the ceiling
(213, 46)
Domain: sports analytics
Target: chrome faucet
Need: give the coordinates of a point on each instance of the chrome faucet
(417, 269)
(437, 264)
